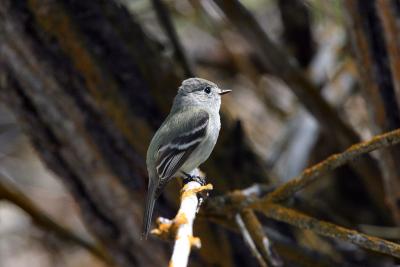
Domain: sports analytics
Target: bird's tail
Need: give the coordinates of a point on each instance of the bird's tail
(148, 210)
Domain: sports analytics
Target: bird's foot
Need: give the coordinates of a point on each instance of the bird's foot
(202, 195)
(193, 178)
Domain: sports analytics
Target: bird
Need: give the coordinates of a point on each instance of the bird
(184, 140)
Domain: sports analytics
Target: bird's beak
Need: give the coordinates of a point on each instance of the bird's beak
(222, 92)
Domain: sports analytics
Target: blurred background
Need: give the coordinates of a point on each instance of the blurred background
(84, 85)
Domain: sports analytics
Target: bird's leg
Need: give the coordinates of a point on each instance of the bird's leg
(202, 195)
(195, 178)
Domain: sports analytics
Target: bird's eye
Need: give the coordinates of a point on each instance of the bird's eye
(207, 89)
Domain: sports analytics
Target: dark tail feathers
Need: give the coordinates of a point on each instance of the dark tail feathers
(148, 210)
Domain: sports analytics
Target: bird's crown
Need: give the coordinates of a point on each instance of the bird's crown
(194, 84)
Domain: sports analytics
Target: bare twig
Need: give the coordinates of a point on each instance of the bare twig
(303, 221)
(311, 174)
(262, 243)
(181, 227)
(249, 240)
(167, 24)
(43, 221)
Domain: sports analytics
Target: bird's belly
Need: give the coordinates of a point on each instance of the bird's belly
(200, 154)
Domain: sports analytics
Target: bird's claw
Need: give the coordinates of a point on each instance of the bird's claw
(202, 181)
(194, 178)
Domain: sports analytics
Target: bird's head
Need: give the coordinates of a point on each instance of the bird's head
(199, 92)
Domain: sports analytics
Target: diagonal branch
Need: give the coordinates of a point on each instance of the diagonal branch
(43, 221)
(303, 221)
(262, 243)
(311, 174)
(167, 25)
(249, 240)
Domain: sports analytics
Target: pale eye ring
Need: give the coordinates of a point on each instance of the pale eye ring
(207, 89)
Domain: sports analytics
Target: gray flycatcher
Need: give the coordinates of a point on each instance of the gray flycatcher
(184, 140)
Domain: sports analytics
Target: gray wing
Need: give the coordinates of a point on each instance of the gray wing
(172, 156)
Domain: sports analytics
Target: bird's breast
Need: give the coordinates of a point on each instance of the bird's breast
(203, 151)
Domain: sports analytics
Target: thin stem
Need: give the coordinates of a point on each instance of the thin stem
(249, 240)
(262, 243)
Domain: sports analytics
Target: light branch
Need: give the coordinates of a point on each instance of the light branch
(181, 227)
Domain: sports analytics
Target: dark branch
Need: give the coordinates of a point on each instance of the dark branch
(166, 24)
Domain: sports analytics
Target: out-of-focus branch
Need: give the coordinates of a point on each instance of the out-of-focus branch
(296, 20)
(311, 174)
(167, 24)
(262, 243)
(181, 227)
(249, 240)
(280, 64)
(303, 221)
(43, 221)
(378, 83)
(387, 16)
